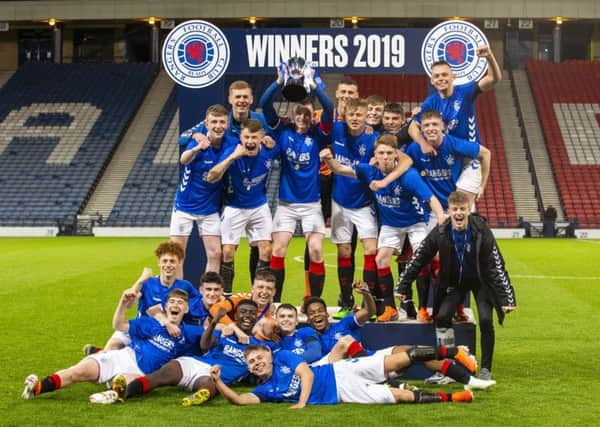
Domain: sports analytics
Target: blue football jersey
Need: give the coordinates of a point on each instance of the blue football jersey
(299, 182)
(246, 178)
(228, 353)
(154, 292)
(442, 171)
(195, 195)
(401, 203)
(458, 111)
(304, 343)
(350, 151)
(153, 346)
(335, 331)
(284, 386)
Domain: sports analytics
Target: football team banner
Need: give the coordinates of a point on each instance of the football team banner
(197, 53)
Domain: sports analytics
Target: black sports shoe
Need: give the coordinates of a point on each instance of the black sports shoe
(409, 307)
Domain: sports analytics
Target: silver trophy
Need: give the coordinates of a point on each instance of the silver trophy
(298, 79)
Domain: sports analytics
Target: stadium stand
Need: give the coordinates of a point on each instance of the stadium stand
(498, 204)
(567, 97)
(147, 196)
(59, 125)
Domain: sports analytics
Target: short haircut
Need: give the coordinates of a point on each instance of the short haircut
(438, 63)
(301, 109)
(211, 277)
(313, 300)
(375, 99)
(387, 139)
(308, 101)
(265, 276)
(170, 247)
(393, 107)
(178, 293)
(347, 81)
(216, 110)
(247, 302)
(431, 114)
(286, 306)
(356, 103)
(239, 84)
(255, 347)
(252, 125)
(458, 198)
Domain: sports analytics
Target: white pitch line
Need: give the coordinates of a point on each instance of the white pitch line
(300, 259)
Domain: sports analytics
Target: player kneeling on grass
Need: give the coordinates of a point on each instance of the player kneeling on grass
(151, 347)
(285, 377)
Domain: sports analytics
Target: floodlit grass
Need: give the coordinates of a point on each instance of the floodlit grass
(58, 294)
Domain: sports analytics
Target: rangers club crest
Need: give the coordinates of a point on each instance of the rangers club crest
(455, 42)
(196, 54)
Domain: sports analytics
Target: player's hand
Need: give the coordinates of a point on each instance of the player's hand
(415, 111)
(479, 194)
(202, 140)
(268, 142)
(508, 308)
(215, 373)
(129, 294)
(128, 298)
(369, 130)
(227, 330)
(298, 406)
(325, 154)
(376, 184)
(239, 152)
(428, 149)
(221, 312)
(401, 297)
(242, 337)
(361, 287)
(280, 73)
(484, 51)
(173, 330)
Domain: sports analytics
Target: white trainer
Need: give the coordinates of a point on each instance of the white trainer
(31, 383)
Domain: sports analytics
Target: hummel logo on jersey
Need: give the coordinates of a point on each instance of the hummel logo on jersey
(362, 150)
(285, 370)
(456, 105)
(308, 141)
(397, 190)
(450, 159)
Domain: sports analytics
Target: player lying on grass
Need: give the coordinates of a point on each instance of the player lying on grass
(192, 370)
(152, 292)
(285, 377)
(151, 347)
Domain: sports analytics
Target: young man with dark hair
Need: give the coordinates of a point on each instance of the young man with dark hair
(299, 190)
(151, 347)
(246, 210)
(198, 200)
(375, 106)
(303, 342)
(456, 104)
(470, 260)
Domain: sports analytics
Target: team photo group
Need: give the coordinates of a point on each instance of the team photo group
(403, 184)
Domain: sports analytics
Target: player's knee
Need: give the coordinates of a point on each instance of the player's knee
(228, 253)
(344, 250)
(169, 374)
(382, 260)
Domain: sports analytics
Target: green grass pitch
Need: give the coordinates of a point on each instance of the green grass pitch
(59, 293)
